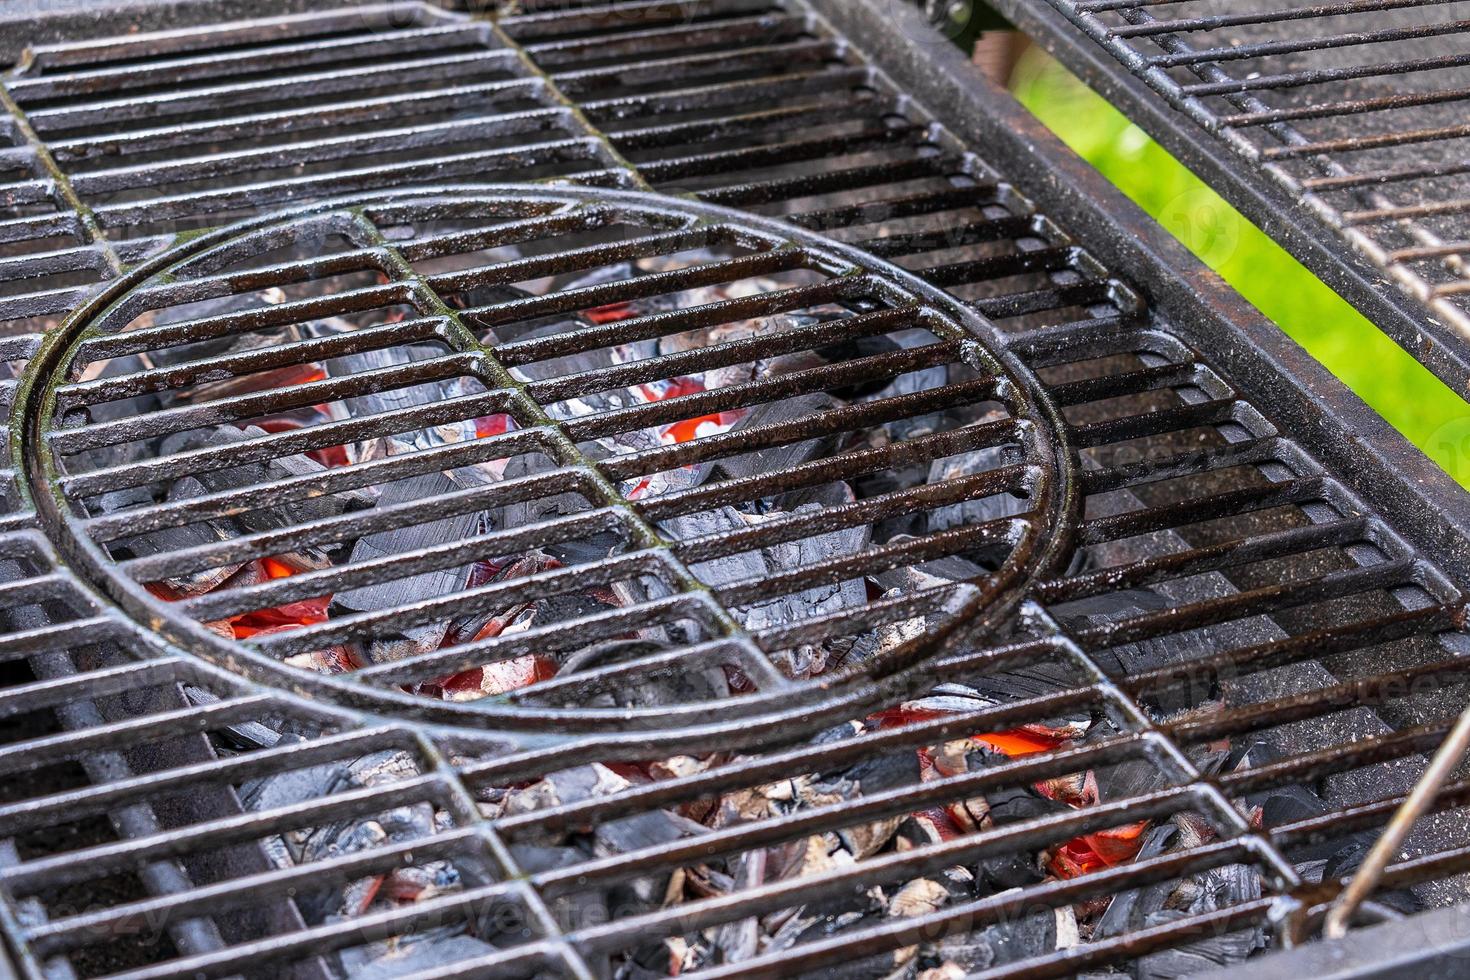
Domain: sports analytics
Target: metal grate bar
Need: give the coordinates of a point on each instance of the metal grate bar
(1273, 135)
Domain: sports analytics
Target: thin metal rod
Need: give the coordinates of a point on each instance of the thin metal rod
(1387, 846)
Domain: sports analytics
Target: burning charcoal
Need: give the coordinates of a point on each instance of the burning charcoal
(951, 698)
(488, 294)
(566, 786)
(594, 547)
(301, 846)
(738, 567)
(596, 359)
(972, 512)
(501, 676)
(877, 774)
(999, 807)
(659, 960)
(869, 776)
(281, 513)
(740, 940)
(852, 350)
(756, 565)
(1020, 939)
(397, 399)
(814, 602)
(636, 833)
(964, 952)
(1281, 805)
(937, 571)
(621, 836)
(680, 685)
(412, 640)
(245, 736)
(377, 359)
(111, 411)
(513, 618)
(227, 343)
(411, 955)
(1197, 894)
(282, 377)
(1126, 910)
(171, 539)
(811, 923)
(1196, 955)
(782, 457)
(581, 908)
(1008, 805)
(911, 427)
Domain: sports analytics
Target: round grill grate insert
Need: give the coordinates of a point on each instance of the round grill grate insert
(555, 460)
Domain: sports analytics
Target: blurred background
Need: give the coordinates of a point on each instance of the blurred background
(1416, 403)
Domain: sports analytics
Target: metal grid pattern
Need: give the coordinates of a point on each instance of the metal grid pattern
(174, 818)
(228, 128)
(630, 495)
(1330, 124)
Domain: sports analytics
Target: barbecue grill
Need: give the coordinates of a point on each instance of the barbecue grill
(659, 488)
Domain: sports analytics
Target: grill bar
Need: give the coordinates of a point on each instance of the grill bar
(1259, 115)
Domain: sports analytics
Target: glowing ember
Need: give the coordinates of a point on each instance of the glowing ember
(685, 430)
(688, 429)
(1094, 852)
(493, 425)
(504, 675)
(279, 619)
(497, 678)
(1078, 856)
(611, 313)
(330, 456)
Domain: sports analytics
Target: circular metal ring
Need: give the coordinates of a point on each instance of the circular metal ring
(1038, 541)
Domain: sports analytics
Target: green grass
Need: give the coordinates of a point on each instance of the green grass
(1416, 403)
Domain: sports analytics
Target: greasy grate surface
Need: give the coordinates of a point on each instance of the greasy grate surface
(1173, 754)
(531, 391)
(1355, 109)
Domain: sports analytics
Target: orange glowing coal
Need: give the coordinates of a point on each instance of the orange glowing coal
(1078, 856)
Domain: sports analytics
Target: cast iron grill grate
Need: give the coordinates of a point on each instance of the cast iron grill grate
(1339, 127)
(1232, 645)
(612, 404)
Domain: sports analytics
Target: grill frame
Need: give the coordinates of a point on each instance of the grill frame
(1387, 472)
(1398, 301)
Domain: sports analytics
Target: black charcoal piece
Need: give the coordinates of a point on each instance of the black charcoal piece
(1126, 911)
(412, 640)
(279, 513)
(1194, 955)
(433, 950)
(782, 457)
(636, 833)
(878, 774)
(171, 539)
